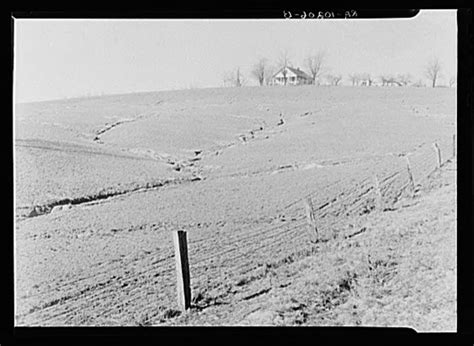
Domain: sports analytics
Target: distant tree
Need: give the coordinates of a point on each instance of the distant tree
(314, 63)
(239, 78)
(354, 78)
(283, 62)
(259, 70)
(432, 71)
(393, 80)
(404, 79)
(334, 79)
(337, 79)
(234, 78)
(419, 83)
(452, 81)
(388, 80)
(269, 72)
(284, 59)
(366, 79)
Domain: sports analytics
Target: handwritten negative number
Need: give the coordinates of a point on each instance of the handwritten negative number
(320, 14)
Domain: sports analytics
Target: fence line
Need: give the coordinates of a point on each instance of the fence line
(254, 243)
(254, 247)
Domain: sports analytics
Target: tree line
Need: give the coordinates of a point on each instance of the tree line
(319, 72)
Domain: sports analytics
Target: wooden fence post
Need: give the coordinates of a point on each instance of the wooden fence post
(182, 269)
(410, 176)
(312, 229)
(454, 145)
(438, 154)
(378, 194)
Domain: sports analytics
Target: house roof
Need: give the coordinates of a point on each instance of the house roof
(296, 71)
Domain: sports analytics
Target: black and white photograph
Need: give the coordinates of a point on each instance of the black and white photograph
(292, 171)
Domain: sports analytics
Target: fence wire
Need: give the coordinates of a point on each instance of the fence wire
(257, 247)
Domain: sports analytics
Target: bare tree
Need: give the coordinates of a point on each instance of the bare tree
(284, 59)
(234, 78)
(239, 78)
(354, 78)
(404, 79)
(432, 71)
(389, 80)
(314, 63)
(366, 79)
(283, 62)
(393, 80)
(334, 79)
(259, 70)
(269, 72)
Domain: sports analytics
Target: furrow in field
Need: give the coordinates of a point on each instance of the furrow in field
(254, 255)
(100, 291)
(122, 121)
(275, 253)
(116, 268)
(73, 148)
(239, 253)
(113, 281)
(98, 273)
(388, 182)
(42, 209)
(247, 245)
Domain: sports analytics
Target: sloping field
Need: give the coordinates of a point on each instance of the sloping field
(52, 174)
(398, 270)
(128, 169)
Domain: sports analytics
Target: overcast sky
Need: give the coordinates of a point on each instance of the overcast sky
(67, 58)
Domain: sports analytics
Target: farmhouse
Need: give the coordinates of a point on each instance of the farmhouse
(290, 75)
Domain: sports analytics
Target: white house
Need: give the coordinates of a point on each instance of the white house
(291, 76)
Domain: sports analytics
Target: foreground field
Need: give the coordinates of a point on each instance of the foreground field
(398, 271)
(100, 183)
